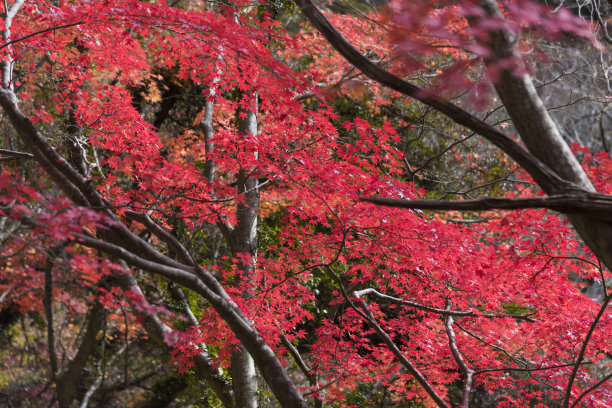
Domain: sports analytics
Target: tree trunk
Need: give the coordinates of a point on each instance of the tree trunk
(244, 242)
(542, 137)
(69, 380)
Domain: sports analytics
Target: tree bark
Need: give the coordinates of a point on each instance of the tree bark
(69, 380)
(542, 137)
(244, 242)
(158, 331)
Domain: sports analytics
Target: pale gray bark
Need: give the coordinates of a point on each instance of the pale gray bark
(468, 374)
(7, 62)
(244, 379)
(243, 240)
(209, 132)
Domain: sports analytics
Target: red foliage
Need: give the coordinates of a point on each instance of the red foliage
(520, 269)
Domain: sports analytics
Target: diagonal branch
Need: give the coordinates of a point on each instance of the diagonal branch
(163, 234)
(209, 288)
(158, 329)
(366, 314)
(542, 174)
(46, 30)
(369, 317)
(594, 205)
(585, 343)
(593, 387)
(310, 373)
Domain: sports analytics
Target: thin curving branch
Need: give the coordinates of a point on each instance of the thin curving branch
(443, 312)
(46, 30)
(590, 389)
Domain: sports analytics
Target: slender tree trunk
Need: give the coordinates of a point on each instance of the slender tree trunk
(69, 380)
(244, 242)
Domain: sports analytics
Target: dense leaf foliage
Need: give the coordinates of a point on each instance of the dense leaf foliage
(245, 138)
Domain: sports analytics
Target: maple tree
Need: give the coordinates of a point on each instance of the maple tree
(222, 184)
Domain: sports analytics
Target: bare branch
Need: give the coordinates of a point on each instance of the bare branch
(594, 205)
(14, 153)
(443, 312)
(528, 370)
(468, 373)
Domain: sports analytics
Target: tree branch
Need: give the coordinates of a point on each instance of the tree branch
(202, 364)
(48, 306)
(588, 390)
(46, 30)
(68, 381)
(468, 373)
(399, 355)
(210, 289)
(163, 234)
(594, 205)
(585, 343)
(366, 314)
(305, 369)
(444, 312)
(543, 175)
(14, 153)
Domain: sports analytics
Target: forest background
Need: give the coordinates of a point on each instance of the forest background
(259, 204)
